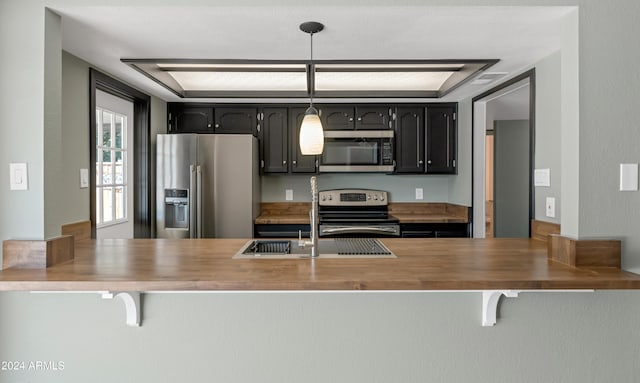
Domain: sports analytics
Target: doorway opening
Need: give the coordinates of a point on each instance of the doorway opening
(139, 179)
(503, 160)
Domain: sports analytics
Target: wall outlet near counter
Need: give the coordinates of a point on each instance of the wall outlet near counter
(288, 194)
(419, 193)
(551, 207)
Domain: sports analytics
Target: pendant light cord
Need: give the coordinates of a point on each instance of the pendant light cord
(311, 68)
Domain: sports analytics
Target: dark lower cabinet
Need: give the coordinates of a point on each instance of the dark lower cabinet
(236, 120)
(280, 230)
(440, 150)
(189, 119)
(435, 230)
(409, 140)
(273, 141)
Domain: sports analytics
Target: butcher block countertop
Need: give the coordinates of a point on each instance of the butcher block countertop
(207, 265)
(407, 212)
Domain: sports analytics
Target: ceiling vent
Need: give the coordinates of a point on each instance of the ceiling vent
(488, 77)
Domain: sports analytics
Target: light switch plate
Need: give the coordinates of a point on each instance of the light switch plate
(288, 194)
(551, 207)
(419, 193)
(542, 177)
(84, 178)
(18, 176)
(628, 177)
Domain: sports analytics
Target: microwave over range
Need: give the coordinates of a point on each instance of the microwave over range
(357, 151)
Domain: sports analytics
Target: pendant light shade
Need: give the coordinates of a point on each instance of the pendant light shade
(311, 135)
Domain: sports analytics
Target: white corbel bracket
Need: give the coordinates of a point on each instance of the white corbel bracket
(490, 299)
(131, 300)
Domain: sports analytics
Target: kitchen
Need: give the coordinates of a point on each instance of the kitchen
(338, 330)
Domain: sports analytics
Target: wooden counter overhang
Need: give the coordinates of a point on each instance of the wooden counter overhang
(207, 265)
(495, 267)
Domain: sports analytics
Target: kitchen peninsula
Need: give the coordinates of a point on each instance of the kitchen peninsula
(493, 266)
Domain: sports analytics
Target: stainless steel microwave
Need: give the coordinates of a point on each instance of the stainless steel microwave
(357, 151)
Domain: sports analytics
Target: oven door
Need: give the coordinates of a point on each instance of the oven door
(357, 151)
(359, 230)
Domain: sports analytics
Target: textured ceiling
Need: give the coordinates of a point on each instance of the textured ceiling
(518, 36)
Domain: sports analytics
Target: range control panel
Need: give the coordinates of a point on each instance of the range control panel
(353, 197)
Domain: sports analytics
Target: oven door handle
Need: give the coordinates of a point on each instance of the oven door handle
(359, 229)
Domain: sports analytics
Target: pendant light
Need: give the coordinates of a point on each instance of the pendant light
(311, 136)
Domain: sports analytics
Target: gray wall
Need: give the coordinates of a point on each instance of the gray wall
(400, 188)
(548, 144)
(325, 337)
(404, 337)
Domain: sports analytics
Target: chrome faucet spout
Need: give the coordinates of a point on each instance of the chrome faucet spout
(313, 220)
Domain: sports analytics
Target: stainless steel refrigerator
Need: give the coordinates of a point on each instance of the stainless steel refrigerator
(208, 185)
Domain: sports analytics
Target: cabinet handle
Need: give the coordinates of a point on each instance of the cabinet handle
(429, 162)
(420, 162)
(208, 125)
(217, 125)
(350, 119)
(295, 162)
(284, 162)
(359, 118)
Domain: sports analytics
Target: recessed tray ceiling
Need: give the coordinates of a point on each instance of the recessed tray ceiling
(273, 78)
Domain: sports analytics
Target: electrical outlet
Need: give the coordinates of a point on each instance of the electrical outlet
(551, 207)
(288, 194)
(419, 193)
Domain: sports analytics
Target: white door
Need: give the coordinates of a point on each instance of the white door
(114, 166)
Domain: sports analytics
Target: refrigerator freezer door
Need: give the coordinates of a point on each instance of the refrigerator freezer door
(175, 154)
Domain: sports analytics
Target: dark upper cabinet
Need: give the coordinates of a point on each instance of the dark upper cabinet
(236, 120)
(441, 136)
(337, 117)
(300, 163)
(372, 118)
(273, 142)
(409, 140)
(189, 119)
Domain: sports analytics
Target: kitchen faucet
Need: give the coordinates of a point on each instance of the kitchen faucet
(313, 218)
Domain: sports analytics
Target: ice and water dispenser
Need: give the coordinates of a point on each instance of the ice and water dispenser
(176, 207)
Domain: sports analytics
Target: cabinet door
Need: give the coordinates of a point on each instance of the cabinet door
(441, 140)
(409, 140)
(372, 118)
(300, 163)
(189, 119)
(236, 120)
(337, 117)
(274, 141)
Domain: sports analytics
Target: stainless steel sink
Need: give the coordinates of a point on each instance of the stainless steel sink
(329, 248)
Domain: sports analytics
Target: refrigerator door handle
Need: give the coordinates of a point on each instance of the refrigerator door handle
(199, 201)
(192, 200)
